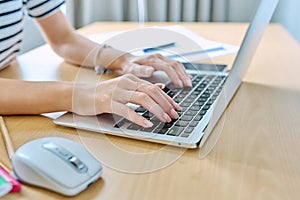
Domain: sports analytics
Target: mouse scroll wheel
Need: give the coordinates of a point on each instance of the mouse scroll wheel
(66, 156)
(78, 164)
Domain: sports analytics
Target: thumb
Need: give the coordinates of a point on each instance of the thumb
(142, 70)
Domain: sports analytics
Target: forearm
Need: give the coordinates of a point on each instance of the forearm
(75, 48)
(23, 97)
(84, 52)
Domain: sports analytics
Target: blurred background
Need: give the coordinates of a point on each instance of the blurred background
(84, 12)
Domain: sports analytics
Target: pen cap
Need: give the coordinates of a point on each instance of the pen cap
(16, 186)
(5, 187)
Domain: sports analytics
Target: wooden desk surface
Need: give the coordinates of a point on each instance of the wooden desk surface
(256, 157)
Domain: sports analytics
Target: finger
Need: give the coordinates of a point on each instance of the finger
(161, 85)
(180, 70)
(144, 85)
(133, 83)
(129, 82)
(142, 70)
(131, 115)
(161, 98)
(174, 69)
(148, 103)
(170, 71)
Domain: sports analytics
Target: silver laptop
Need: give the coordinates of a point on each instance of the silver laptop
(202, 105)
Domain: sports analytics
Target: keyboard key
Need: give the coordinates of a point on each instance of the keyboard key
(175, 131)
(209, 102)
(148, 129)
(186, 118)
(182, 123)
(202, 85)
(196, 92)
(178, 100)
(206, 107)
(168, 125)
(205, 95)
(194, 123)
(202, 112)
(198, 117)
(181, 96)
(198, 103)
(140, 110)
(183, 109)
(161, 130)
(185, 135)
(185, 92)
(189, 100)
(166, 90)
(191, 112)
(175, 90)
(189, 130)
(147, 115)
(194, 83)
(121, 123)
(154, 120)
(214, 97)
(195, 108)
(134, 127)
(202, 99)
(179, 112)
(185, 104)
(194, 75)
(171, 94)
(198, 79)
(118, 125)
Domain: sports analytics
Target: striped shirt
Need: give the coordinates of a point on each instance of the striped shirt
(12, 14)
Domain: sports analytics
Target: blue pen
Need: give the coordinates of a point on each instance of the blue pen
(196, 52)
(157, 48)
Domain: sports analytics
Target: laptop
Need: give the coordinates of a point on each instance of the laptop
(202, 105)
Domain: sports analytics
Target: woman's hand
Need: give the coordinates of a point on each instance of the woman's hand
(146, 65)
(112, 96)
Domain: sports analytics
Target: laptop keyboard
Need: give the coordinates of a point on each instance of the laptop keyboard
(194, 103)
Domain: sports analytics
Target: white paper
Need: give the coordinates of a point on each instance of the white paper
(214, 48)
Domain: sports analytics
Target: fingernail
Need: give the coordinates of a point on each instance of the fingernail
(161, 85)
(166, 117)
(147, 123)
(188, 82)
(149, 70)
(180, 84)
(177, 106)
(174, 114)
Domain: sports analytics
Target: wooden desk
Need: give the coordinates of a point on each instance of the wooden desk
(256, 157)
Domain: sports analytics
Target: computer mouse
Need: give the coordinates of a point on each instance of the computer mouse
(57, 164)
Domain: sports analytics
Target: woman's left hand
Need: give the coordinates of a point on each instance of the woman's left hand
(144, 66)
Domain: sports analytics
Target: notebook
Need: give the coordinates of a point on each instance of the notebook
(202, 105)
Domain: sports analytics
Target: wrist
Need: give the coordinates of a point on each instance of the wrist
(66, 97)
(109, 58)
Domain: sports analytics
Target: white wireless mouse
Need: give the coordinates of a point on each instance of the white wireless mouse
(57, 164)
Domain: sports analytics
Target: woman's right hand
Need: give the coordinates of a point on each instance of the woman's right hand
(113, 95)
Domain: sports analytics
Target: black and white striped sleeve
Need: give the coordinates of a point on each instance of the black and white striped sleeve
(42, 8)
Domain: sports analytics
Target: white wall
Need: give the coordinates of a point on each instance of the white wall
(287, 13)
(32, 35)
